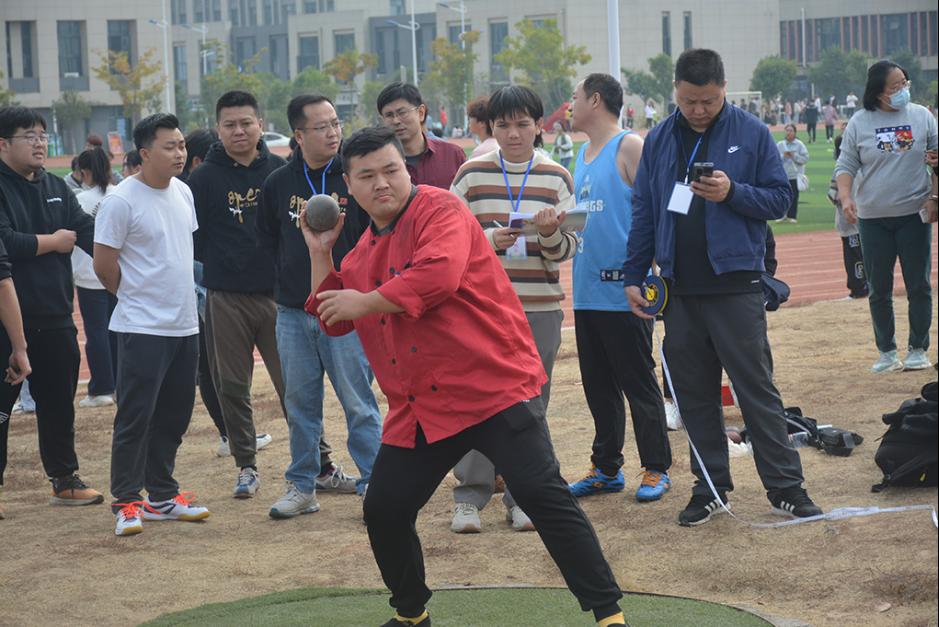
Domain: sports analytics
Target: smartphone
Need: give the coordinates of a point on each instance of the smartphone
(701, 168)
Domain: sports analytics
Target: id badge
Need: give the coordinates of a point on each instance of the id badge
(680, 201)
(518, 250)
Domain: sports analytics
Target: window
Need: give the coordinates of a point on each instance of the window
(667, 33)
(382, 66)
(216, 10)
(71, 62)
(250, 13)
(269, 12)
(343, 42)
(120, 40)
(933, 15)
(233, 15)
(277, 49)
(330, 6)
(198, 11)
(896, 33)
(397, 7)
(180, 69)
(244, 50)
(498, 32)
(687, 23)
(828, 33)
(21, 54)
(875, 36)
(424, 39)
(178, 11)
(311, 6)
(309, 47)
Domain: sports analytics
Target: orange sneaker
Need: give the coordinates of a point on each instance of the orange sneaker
(71, 490)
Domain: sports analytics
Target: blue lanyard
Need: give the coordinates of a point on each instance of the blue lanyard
(306, 173)
(508, 188)
(691, 160)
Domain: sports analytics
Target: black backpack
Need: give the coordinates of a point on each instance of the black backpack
(908, 454)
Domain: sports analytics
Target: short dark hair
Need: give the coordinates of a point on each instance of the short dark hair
(74, 163)
(479, 110)
(295, 116)
(699, 66)
(132, 159)
(512, 100)
(368, 140)
(399, 90)
(94, 139)
(97, 162)
(877, 82)
(198, 143)
(14, 118)
(610, 90)
(236, 98)
(146, 129)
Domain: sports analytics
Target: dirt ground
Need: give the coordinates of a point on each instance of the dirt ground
(66, 566)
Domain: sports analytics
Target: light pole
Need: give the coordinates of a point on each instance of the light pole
(202, 28)
(413, 27)
(167, 91)
(462, 11)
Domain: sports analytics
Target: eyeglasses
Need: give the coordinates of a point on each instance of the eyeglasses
(400, 114)
(322, 129)
(33, 138)
(892, 89)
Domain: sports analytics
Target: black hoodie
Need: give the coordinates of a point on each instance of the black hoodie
(282, 197)
(226, 198)
(41, 206)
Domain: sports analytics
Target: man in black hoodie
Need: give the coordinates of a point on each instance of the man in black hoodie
(40, 223)
(305, 351)
(237, 274)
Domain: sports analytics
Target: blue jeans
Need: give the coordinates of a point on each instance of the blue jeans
(100, 344)
(306, 354)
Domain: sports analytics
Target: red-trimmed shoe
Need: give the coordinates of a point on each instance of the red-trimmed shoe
(128, 519)
(179, 507)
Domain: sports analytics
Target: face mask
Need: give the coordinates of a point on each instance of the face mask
(900, 99)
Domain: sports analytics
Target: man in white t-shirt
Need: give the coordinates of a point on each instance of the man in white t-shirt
(143, 254)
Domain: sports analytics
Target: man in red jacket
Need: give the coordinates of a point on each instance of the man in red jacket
(452, 350)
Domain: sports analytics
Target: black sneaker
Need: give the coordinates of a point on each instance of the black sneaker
(700, 509)
(396, 622)
(793, 502)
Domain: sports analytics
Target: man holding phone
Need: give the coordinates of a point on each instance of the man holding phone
(709, 179)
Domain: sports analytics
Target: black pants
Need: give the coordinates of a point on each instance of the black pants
(55, 358)
(854, 266)
(829, 132)
(207, 386)
(156, 388)
(615, 353)
(100, 344)
(516, 440)
(728, 331)
(810, 131)
(794, 205)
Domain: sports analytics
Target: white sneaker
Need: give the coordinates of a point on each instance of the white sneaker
(465, 519)
(293, 503)
(336, 481)
(672, 417)
(248, 483)
(179, 507)
(916, 359)
(96, 401)
(128, 520)
(888, 362)
(519, 519)
(261, 440)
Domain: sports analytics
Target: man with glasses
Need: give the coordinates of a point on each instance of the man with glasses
(306, 352)
(40, 223)
(430, 161)
(237, 274)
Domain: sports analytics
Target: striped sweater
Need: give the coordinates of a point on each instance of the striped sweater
(481, 185)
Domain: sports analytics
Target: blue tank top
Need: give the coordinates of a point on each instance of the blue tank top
(601, 252)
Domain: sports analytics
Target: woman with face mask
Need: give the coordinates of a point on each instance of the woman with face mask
(886, 146)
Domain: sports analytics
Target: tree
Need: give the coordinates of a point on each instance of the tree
(314, 81)
(368, 100)
(140, 86)
(773, 76)
(346, 66)
(545, 63)
(919, 88)
(228, 77)
(6, 95)
(656, 84)
(69, 111)
(838, 72)
(452, 68)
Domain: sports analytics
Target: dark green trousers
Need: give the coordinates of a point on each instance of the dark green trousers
(882, 241)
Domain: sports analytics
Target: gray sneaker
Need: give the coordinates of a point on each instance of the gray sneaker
(248, 483)
(888, 362)
(916, 359)
(336, 481)
(293, 503)
(465, 519)
(519, 519)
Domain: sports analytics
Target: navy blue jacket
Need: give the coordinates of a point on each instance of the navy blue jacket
(741, 146)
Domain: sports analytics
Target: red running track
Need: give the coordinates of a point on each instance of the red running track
(811, 263)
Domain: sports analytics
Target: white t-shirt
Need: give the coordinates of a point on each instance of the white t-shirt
(851, 101)
(83, 270)
(153, 229)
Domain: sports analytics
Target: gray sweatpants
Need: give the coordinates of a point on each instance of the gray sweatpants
(235, 323)
(475, 472)
(706, 334)
(156, 389)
